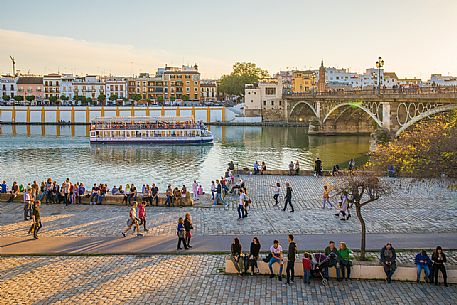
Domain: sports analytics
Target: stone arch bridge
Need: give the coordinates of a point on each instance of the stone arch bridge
(364, 111)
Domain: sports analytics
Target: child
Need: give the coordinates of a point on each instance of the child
(306, 268)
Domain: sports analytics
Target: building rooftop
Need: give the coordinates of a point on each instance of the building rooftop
(30, 80)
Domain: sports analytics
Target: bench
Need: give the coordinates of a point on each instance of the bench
(359, 270)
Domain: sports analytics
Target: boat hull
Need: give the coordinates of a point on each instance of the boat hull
(170, 141)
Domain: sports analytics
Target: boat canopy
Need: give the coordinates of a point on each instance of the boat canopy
(142, 119)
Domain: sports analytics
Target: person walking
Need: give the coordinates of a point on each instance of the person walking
(291, 253)
(142, 215)
(254, 255)
(276, 192)
(439, 259)
(326, 197)
(389, 261)
(133, 220)
(288, 197)
(66, 191)
(181, 232)
(195, 190)
(218, 194)
(241, 205)
(36, 219)
(213, 189)
(188, 227)
(28, 199)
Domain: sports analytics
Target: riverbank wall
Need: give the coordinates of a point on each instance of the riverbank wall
(83, 115)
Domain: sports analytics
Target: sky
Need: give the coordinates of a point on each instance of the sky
(414, 37)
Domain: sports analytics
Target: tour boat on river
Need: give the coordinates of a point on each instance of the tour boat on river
(160, 130)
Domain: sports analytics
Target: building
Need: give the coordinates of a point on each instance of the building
(51, 85)
(116, 87)
(410, 82)
(30, 86)
(138, 86)
(7, 86)
(440, 80)
(181, 83)
(321, 78)
(66, 86)
(90, 86)
(264, 98)
(390, 80)
(208, 91)
(304, 81)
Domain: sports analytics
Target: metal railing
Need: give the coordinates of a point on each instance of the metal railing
(403, 91)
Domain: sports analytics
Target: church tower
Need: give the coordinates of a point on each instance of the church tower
(321, 81)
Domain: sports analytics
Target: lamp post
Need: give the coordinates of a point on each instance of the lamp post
(379, 65)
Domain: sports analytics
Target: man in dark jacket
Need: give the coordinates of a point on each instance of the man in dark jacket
(332, 253)
(288, 197)
(389, 261)
(290, 270)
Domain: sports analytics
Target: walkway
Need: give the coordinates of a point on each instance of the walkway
(210, 244)
(196, 279)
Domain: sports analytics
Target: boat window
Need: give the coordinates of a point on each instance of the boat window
(92, 133)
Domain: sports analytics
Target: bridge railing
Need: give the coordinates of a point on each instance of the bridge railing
(450, 91)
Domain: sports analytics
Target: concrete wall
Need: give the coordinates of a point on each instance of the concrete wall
(83, 115)
(359, 270)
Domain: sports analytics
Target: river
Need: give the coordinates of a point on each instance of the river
(30, 153)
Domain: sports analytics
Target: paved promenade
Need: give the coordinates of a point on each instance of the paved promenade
(423, 207)
(210, 244)
(185, 280)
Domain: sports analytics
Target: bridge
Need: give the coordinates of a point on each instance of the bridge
(363, 111)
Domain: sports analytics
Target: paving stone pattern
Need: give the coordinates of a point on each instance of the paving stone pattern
(185, 280)
(413, 207)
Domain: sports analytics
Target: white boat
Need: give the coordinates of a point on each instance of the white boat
(161, 130)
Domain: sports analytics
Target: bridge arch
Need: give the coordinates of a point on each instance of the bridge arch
(310, 105)
(423, 115)
(366, 110)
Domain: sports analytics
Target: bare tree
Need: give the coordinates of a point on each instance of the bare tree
(364, 187)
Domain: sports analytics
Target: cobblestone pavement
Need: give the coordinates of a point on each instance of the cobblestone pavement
(185, 280)
(413, 207)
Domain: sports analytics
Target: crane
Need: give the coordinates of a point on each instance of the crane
(14, 65)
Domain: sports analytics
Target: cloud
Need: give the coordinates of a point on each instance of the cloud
(41, 54)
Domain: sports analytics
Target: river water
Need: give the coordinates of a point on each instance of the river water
(30, 153)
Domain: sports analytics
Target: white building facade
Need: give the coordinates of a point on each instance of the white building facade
(8, 86)
(262, 97)
(116, 86)
(89, 86)
(442, 80)
(208, 91)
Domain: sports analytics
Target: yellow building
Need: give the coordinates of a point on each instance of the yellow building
(303, 81)
(181, 82)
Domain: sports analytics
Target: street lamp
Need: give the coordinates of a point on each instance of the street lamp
(379, 65)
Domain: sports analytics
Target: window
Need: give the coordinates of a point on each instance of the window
(280, 103)
(270, 91)
(264, 103)
(272, 103)
(252, 101)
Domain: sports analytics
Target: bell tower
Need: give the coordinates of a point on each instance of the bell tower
(321, 81)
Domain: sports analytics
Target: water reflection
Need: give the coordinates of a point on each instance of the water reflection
(36, 152)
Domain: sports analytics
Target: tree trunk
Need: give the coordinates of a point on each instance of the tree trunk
(358, 209)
